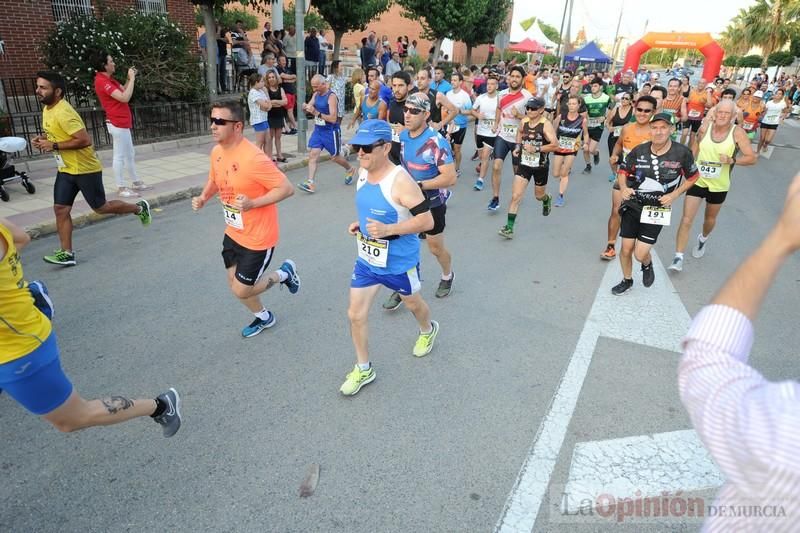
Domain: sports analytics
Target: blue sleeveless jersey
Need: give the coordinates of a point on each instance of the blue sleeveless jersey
(368, 112)
(423, 155)
(375, 202)
(321, 104)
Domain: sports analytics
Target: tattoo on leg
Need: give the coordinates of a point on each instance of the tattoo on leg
(116, 404)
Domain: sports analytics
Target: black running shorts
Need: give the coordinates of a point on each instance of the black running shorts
(250, 264)
(90, 185)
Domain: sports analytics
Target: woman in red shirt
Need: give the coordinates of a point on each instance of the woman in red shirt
(114, 98)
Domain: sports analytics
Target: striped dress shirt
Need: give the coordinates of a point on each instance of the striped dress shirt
(750, 426)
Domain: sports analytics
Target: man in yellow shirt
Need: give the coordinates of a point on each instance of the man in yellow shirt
(30, 367)
(79, 169)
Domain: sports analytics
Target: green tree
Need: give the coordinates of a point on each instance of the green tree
(440, 19)
(735, 37)
(228, 18)
(780, 59)
(312, 19)
(794, 47)
(348, 15)
(770, 24)
(751, 61)
(484, 30)
(731, 61)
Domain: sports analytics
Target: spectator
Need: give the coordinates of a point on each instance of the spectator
(324, 46)
(367, 54)
(267, 30)
(404, 53)
(239, 40)
(288, 84)
(357, 82)
(338, 83)
(393, 65)
(202, 43)
(222, 57)
(114, 99)
(412, 49)
(748, 424)
(268, 65)
(259, 104)
(290, 47)
(398, 47)
(386, 56)
(276, 116)
(312, 48)
(372, 40)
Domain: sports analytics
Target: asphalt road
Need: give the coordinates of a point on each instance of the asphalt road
(434, 444)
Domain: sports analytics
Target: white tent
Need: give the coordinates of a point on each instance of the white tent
(534, 32)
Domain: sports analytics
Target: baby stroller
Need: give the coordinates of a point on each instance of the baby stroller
(9, 145)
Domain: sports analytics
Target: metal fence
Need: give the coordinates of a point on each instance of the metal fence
(151, 123)
(20, 96)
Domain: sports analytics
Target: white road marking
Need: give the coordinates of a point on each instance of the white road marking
(639, 467)
(654, 317)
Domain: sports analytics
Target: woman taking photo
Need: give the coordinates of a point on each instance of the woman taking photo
(776, 110)
(570, 129)
(259, 105)
(114, 99)
(276, 116)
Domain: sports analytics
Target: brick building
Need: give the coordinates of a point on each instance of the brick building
(25, 23)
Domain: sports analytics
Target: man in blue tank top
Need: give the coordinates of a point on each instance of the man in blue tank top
(392, 210)
(428, 157)
(327, 133)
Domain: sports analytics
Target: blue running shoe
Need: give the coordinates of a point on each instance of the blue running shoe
(41, 298)
(293, 281)
(478, 185)
(494, 204)
(258, 325)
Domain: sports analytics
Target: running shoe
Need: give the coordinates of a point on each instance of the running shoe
(494, 204)
(357, 379)
(677, 264)
(61, 257)
(446, 194)
(622, 287)
(445, 285)
(393, 301)
(478, 185)
(171, 418)
(588, 169)
(559, 201)
(547, 204)
(458, 173)
(609, 254)
(596, 158)
(348, 176)
(648, 275)
(293, 281)
(258, 325)
(699, 249)
(144, 214)
(424, 343)
(41, 298)
(611, 178)
(307, 186)
(475, 156)
(506, 232)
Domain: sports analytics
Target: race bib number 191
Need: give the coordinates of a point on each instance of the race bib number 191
(652, 214)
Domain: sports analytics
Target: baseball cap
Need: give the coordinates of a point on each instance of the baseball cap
(534, 103)
(371, 131)
(666, 117)
(759, 94)
(419, 100)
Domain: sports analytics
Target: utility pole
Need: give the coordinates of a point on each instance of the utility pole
(300, 62)
(561, 30)
(616, 37)
(569, 26)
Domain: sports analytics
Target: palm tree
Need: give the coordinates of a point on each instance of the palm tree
(770, 24)
(734, 39)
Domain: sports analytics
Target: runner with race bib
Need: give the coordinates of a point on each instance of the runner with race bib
(484, 110)
(716, 156)
(598, 105)
(571, 129)
(249, 186)
(650, 181)
(776, 110)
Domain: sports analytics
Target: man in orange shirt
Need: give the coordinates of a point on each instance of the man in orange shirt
(249, 186)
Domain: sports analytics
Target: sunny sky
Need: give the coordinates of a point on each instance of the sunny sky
(599, 17)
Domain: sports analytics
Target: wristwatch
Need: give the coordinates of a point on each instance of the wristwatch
(55, 147)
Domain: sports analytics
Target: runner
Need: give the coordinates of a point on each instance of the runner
(715, 155)
(631, 136)
(615, 121)
(626, 86)
(598, 104)
(30, 363)
(372, 107)
(752, 109)
(440, 84)
(506, 121)
(401, 82)
(650, 181)
(427, 157)
(537, 139)
(675, 104)
(575, 88)
(442, 110)
(327, 133)
(79, 169)
(776, 110)
(484, 110)
(696, 107)
(249, 186)
(736, 118)
(392, 210)
(544, 89)
(458, 128)
(572, 127)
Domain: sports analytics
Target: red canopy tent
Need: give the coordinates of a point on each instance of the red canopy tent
(528, 45)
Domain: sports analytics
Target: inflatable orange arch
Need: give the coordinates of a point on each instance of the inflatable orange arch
(703, 42)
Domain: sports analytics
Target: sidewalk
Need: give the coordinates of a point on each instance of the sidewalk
(176, 169)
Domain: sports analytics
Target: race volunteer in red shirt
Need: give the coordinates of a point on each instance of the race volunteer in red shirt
(114, 99)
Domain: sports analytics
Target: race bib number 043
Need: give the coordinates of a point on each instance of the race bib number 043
(652, 214)
(710, 170)
(373, 251)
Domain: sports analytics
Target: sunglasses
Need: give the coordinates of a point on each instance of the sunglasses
(222, 121)
(367, 148)
(640, 110)
(413, 110)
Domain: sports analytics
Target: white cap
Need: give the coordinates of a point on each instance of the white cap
(759, 94)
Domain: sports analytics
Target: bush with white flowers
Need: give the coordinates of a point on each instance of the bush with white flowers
(158, 48)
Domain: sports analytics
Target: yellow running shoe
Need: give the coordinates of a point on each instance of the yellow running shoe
(357, 379)
(424, 343)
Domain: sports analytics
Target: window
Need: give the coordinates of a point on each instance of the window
(152, 6)
(66, 9)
